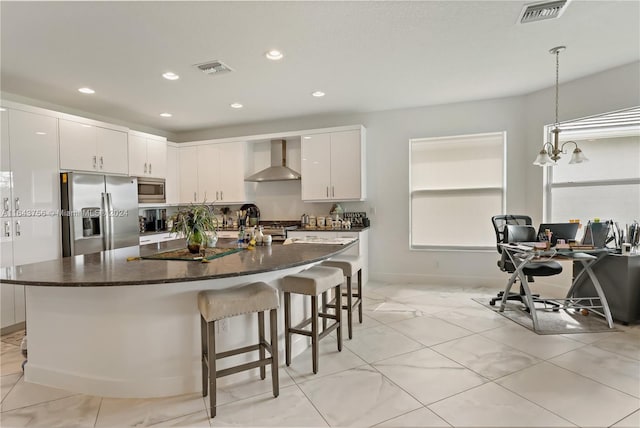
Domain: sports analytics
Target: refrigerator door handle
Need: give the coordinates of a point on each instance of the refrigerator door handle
(104, 222)
(111, 227)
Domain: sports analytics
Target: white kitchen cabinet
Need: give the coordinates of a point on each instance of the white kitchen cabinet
(147, 155)
(362, 249)
(172, 183)
(333, 166)
(188, 171)
(30, 198)
(157, 237)
(213, 173)
(85, 147)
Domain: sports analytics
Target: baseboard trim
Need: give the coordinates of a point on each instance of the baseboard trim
(13, 328)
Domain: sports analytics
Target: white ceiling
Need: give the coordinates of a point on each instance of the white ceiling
(366, 56)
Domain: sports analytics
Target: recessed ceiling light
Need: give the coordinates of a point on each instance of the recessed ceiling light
(274, 55)
(41, 133)
(87, 91)
(3, 109)
(170, 76)
(236, 105)
(318, 94)
(307, 138)
(86, 126)
(166, 114)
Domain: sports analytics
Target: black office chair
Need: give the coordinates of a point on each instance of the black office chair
(518, 228)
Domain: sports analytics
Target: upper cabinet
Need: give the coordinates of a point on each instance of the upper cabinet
(333, 166)
(86, 147)
(172, 186)
(147, 155)
(213, 172)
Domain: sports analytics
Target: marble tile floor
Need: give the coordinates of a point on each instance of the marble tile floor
(425, 356)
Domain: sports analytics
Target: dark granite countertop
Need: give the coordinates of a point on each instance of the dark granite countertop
(111, 268)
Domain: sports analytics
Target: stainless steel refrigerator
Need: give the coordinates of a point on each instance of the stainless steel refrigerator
(99, 212)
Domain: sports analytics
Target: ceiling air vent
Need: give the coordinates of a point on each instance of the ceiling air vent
(541, 11)
(214, 67)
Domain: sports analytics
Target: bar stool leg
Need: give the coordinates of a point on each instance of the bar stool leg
(349, 303)
(212, 367)
(314, 333)
(203, 356)
(287, 327)
(263, 372)
(273, 326)
(339, 315)
(324, 310)
(360, 295)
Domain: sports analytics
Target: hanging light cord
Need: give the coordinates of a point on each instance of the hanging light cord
(557, 83)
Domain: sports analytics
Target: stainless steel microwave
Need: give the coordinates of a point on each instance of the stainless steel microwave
(151, 190)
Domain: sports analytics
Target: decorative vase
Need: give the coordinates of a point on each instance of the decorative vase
(194, 242)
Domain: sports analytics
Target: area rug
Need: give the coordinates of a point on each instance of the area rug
(560, 322)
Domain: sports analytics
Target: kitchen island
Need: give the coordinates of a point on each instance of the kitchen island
(113, 325)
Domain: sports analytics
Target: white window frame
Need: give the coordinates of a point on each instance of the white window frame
(502, 190)
(585, 132)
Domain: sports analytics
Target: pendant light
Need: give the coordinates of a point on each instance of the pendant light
(551, 152)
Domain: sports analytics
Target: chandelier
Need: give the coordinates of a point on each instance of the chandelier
(551, 152)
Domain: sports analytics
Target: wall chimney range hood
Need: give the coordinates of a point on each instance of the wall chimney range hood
(278, 171)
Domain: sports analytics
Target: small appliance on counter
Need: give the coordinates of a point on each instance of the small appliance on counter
(251, 213)
(156, 220)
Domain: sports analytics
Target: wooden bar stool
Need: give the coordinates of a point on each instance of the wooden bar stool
(215, 305)
(312, 282)
(349, 265)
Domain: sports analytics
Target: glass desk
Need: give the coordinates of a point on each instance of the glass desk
(522, 255)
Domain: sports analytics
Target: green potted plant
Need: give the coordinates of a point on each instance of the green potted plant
(195, 223)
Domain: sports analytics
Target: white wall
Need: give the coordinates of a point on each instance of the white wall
(388, 134)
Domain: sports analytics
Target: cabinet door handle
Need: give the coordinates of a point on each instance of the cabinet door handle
(327, 191)
(16, 204)
(95, 162)
(195, 199)
(217, 194)
(17, 228)
(5, 202)
(101, 162)
(145, 167)
(221, 196)
(7, 229)
(333, 191)
(149, 167)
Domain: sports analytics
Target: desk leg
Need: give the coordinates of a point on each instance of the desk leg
(518, 273)
(586, 267)
(529, 298)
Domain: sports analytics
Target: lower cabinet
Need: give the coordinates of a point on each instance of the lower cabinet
(157, 237)
(362, 249)
(25, 240)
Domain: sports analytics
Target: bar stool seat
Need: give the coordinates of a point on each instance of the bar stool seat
(215, 305)
(350, 266)
(315, 281)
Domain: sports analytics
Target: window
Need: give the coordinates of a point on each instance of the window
(456, 185)
(606, 187)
